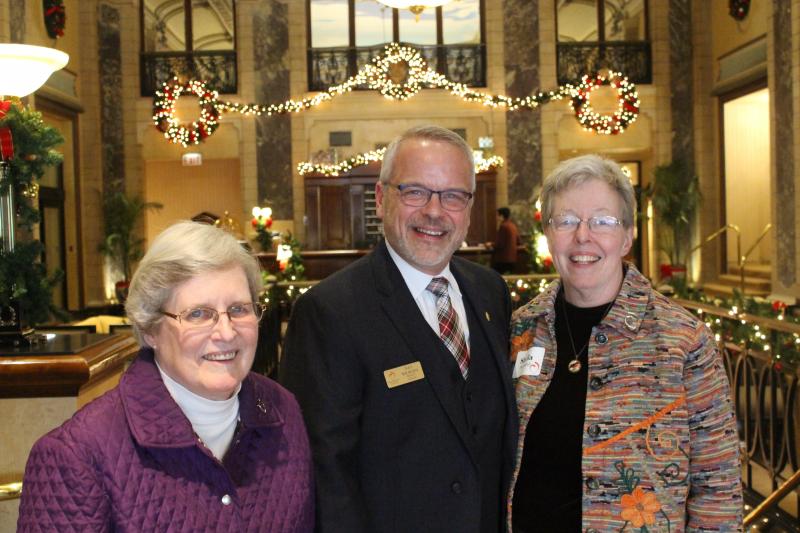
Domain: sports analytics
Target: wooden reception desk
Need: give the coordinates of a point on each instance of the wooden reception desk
(42, 386)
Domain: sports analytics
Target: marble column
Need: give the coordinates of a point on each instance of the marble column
(16, 15)
(680, 65)
(110, 79)
(783, 112)
(523, 128)
(273, 134)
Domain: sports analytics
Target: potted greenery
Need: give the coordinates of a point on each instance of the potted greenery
(675, 193)
(121, 244)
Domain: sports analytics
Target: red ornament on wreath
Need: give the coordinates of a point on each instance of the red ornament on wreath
(606, 124)
(738, 9)
(55, 17)
(164, 112)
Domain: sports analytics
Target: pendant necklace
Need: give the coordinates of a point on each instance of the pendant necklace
(574, 366)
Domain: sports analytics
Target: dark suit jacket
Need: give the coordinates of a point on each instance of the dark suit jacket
(393, 460)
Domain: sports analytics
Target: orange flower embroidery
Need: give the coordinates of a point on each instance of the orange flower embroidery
(640, 507)
(521, 342)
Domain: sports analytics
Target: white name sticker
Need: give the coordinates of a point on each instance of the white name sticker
(529, 362)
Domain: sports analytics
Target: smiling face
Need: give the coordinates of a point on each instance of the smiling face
(590, 265)
(425, 236)
(210, 362)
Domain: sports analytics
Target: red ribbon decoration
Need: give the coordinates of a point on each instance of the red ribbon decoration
(6, 142)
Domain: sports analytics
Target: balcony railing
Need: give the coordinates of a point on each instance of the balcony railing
(631, 58)
(460, 63)
(218, 69)
(764, 391)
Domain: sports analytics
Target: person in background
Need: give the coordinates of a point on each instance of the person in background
(189, 440)
(624, 405)
(400, 362)
(504, 248)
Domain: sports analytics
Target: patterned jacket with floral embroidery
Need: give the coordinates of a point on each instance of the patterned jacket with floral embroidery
(660, 448)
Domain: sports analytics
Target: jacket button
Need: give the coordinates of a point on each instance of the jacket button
(601, 338)
(591, 483)
(594, 430)
(596, 383)
(456, 487)
(226, 500)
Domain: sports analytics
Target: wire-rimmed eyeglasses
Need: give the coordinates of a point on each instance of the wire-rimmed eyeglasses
(419, 196)
(206, 317)
(598, 224)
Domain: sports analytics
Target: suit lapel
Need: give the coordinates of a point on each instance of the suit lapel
(403, 312)
(485, 314)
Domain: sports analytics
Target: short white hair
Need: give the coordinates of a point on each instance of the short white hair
(431, 133)
(579, 170)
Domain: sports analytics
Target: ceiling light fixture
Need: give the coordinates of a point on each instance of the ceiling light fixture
(415, 6)
(27, 67)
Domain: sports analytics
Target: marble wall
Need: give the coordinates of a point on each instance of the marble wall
(16, 15)
(784, 196)
(111, 103)
(273, 134)
(523, 128)
(680, 65)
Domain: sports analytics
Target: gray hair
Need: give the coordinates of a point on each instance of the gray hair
(579, 170)
(431, 133)
(179, 253)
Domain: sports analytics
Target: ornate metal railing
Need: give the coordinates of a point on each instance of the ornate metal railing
(218, 69)
(764, 391)
(332, 66)
(633, 59)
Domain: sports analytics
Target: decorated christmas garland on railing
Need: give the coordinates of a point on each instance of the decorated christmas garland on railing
(378, 75)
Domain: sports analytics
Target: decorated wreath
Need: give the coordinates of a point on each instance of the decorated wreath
(399, 73)
(739, 9)
(604, 124)
(164, 112)
(55, 17)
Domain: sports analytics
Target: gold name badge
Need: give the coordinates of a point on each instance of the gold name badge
(403, 374)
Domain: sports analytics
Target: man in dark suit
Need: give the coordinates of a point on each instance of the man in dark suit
(400, 363)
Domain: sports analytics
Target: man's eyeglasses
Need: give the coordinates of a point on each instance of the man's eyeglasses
(599, 224)
(419, 196)
(206, 317)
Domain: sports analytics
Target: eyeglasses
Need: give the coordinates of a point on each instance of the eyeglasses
(599, 224)
(419, 196)
(206, 317)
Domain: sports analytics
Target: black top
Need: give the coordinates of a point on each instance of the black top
(548, 492)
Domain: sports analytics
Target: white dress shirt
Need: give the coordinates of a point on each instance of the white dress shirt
(417, 282)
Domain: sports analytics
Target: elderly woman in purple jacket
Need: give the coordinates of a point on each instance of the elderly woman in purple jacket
(190, 440)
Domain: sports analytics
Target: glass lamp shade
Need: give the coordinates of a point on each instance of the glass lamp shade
(24, 68)
(408, 4)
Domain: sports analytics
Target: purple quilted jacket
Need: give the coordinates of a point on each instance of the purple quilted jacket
(129, 461)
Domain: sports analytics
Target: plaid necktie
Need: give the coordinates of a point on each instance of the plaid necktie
(449, 327)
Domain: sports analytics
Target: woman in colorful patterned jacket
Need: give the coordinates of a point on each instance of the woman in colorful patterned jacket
(190, 440)
(626, 421)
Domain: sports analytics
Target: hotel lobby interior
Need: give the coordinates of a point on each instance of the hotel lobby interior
(269, 118)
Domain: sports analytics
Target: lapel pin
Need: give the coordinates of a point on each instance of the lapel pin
(488, 316)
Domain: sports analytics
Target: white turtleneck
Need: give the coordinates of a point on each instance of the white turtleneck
(214, 421)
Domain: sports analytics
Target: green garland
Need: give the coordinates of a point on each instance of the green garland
(22, 275)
